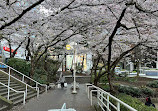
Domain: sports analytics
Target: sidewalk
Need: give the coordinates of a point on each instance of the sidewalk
(54, 99)
(143, 75)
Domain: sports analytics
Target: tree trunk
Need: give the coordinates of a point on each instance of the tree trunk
(82, 64)
(96, 81)
(110, 83)
(138, 69)
(65, 62)
(32, 68)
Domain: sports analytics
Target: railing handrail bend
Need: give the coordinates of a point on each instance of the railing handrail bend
(25, 75)
(18, 80)
(14, 91)
(121, 102)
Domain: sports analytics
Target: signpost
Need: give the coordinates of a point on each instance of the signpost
(68, 47)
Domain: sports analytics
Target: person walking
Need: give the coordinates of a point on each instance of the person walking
(62, 80)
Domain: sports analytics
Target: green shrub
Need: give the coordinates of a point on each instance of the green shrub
(105, 87)
(134, 102)
(135, 92)
(103, 79)
(153, 84)
(129, 79)
(20, 65)
(43, 73)
(147, 91)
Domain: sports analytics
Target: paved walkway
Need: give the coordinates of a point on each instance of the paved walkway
(143, 75)
(54, 99)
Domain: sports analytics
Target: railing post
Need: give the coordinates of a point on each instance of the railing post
(23, 78)
(98, 95)
(8, 84)
(46, 88)
(24, 99)
(118, 106)
(101, 98)
(26, 90)
(38, 93)
(88, 92)
(91, 97)
(108, 102)
(36, 86)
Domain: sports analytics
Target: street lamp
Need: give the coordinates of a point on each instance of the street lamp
(68, 47)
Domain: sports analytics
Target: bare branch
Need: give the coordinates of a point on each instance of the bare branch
(21, 15)
(140, 8)
(124, 26)
(136, 27)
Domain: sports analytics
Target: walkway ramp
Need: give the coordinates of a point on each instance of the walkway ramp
(54, 99)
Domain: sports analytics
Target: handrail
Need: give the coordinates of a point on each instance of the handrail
(99, 90)
(37, 83)
(15, 91)
(23, 83)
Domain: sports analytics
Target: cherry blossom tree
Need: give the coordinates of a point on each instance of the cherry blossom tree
(129, 25)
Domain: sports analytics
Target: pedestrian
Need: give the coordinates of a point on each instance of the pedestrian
(148, 102)
(62, 80)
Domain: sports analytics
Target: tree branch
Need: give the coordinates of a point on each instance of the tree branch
(21, 15)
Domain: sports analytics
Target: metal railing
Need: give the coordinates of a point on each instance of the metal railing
(103, 99)
(26, 85)
(9, 88)
(24, 77)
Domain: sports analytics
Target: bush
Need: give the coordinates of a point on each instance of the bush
(135, 92)
(134, 102)
(147, 91)
(129, 79)
(153, 84)
(105, 87)
(43, 73)
(20, 65)
(131, 101)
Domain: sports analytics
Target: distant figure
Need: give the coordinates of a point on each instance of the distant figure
(72, 71)
(148, 102)
(62, 80)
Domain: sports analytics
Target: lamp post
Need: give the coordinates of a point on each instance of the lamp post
(157, 61)
(68, 47)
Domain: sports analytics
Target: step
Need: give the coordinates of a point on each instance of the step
(3, 78)
(3, 108)
(11, 92)
(11, 85)
(6, 90)
(6, 93)
(13, 95)
(21, 99)
(14, 99)
(6, 82)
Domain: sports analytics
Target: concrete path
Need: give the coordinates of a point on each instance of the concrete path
(54, 99)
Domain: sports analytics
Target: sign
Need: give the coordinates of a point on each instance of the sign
(68, 47)
(3, 66)
(8, 49)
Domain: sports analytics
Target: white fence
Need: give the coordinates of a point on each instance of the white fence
(103, 99)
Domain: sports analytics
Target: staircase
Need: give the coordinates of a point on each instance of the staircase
(14, 91)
